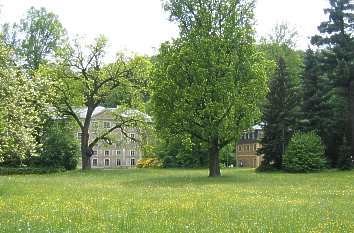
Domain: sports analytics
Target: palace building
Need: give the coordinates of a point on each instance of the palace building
(119, 151)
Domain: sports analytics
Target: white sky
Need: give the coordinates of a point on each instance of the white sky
(140, 26)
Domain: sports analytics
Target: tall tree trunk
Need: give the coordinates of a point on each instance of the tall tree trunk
(85, 152)
(214, 167)
(351, 115)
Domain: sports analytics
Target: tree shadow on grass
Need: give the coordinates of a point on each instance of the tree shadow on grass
(188, 180)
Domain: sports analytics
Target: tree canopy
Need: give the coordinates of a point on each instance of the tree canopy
(36, 38)
(83, 79)
(336, 39)
(209, 82)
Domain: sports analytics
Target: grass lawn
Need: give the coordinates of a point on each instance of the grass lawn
(173, 200)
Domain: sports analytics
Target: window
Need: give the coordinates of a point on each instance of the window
(118, 162)
(132, 153)
(106, 162)
(106, 124)
(239, 148)
(255, 147)
(132, 137)
(95, 152)
(94, 162)
(106, 153)
(132, 162)
(248, 147)
(95, 125)
(118, 152)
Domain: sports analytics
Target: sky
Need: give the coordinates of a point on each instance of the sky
(140, 26)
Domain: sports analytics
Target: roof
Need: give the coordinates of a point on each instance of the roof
(98, 110)
(127, 113)
(258, 126)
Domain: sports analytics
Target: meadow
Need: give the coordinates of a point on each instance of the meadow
(177, 200)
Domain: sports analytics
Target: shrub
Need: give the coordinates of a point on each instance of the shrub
(305, 153)
(149, 163)
(266, 167)
(179, 152)
(27, 170)
(60, 149)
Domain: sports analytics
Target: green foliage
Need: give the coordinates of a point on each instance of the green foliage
(227, 155)
(281, 112)
(305, 153)
(22, 102)
(284, 35)
(208, 84)
(323, 106)
(337, 43)
(5, 171)
(59, 146)
(282, 44)
(345, 159)
(138, 91)
(83, 79)
(149, 163)
(182, 152)
(267, 167)
(36, 39)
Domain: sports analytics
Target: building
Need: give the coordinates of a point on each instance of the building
(246, 148)
(118, 150)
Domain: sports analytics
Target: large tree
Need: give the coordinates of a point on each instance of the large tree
(281, 110)
(337, 37)
(209, 83)
(280, 115)
(19, 117)
(322, 106)
(36, 38)
(82, 79)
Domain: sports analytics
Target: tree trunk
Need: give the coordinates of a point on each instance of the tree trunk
(85, 151)
(351, 115)
(214, 168)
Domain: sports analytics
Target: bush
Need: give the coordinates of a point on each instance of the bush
(179, 152)
(27, 170)
(305, 153)
(266, 167)
(60, 149)
(149, 163)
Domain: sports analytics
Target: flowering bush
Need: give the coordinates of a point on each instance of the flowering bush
(149, 163)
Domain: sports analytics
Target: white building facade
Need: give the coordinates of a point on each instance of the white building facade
(118, 150)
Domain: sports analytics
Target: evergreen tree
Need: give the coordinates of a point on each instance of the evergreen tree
(321, 104)
(337, 36)
(314, 102)
(280, 114)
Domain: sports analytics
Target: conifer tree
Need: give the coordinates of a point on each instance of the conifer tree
(337, 37)
(280, 114)
(321, 104)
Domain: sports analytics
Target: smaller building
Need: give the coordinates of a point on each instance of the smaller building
(247, 146)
